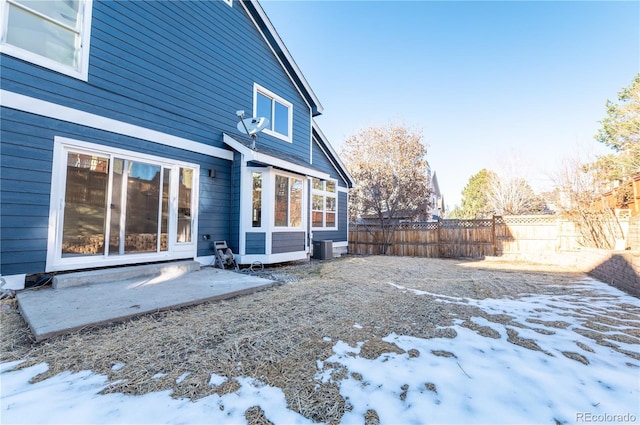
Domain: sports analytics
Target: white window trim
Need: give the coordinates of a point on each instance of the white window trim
(266, 204)
(229, 2)
(324, 193)
(303, 206)
(55, 262)
(81, 73)
(257, 88)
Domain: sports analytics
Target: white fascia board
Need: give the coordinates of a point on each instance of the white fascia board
(53, 110)
(251, 155)
(263, 16)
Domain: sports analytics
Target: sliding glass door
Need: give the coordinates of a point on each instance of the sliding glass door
(116, 206)
(85, 207)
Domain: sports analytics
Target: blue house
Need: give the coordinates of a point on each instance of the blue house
(120, 141)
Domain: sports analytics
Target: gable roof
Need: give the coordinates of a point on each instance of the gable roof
(266, 28)
(434, 184)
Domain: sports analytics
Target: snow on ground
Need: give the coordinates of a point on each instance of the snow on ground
(469, 379)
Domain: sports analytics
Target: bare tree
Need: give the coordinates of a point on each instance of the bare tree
(579, 189)
(511, 196)
(390, 170)
(509, 191)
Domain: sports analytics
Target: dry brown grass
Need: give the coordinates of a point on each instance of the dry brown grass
(277, 335)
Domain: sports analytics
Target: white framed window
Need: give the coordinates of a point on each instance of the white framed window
(256, 199)
(229, 2)
(54, 34)
(288, 195)
(277, 110)
(324, 204)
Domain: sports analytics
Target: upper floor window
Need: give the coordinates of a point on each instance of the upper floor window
(278, 111)
(50, 33)
(324, 203)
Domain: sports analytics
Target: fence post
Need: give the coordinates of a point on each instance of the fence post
(356, 248)
(439, 253)
(493, 236)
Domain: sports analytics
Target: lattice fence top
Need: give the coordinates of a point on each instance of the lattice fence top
(401, 226)
(459, 223)
(463, 223)
(418, 226)
(527, 219)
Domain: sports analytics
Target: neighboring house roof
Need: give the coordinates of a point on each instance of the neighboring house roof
(325, 145)
(267, 29)
(434, 185)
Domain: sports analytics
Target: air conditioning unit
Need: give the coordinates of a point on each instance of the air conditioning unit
(322, 250)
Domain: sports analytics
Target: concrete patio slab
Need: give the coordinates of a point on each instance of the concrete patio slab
(50, 312)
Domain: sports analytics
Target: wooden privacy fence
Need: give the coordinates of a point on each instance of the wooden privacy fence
(469, 238)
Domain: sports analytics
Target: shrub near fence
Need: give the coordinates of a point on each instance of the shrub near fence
(471, 238)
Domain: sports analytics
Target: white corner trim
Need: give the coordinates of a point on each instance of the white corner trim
(251, 155)
(53, 110)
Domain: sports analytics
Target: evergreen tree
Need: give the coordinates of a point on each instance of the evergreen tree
(621, 132)
(475, 196)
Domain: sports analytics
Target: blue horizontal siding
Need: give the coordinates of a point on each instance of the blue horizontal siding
(255, 243)
(282, 242)
(25, 185)
(322, 163)
(175, 67)
(234, 223)
(214, 204)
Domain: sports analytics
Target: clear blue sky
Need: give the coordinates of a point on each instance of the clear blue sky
(488, 83)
